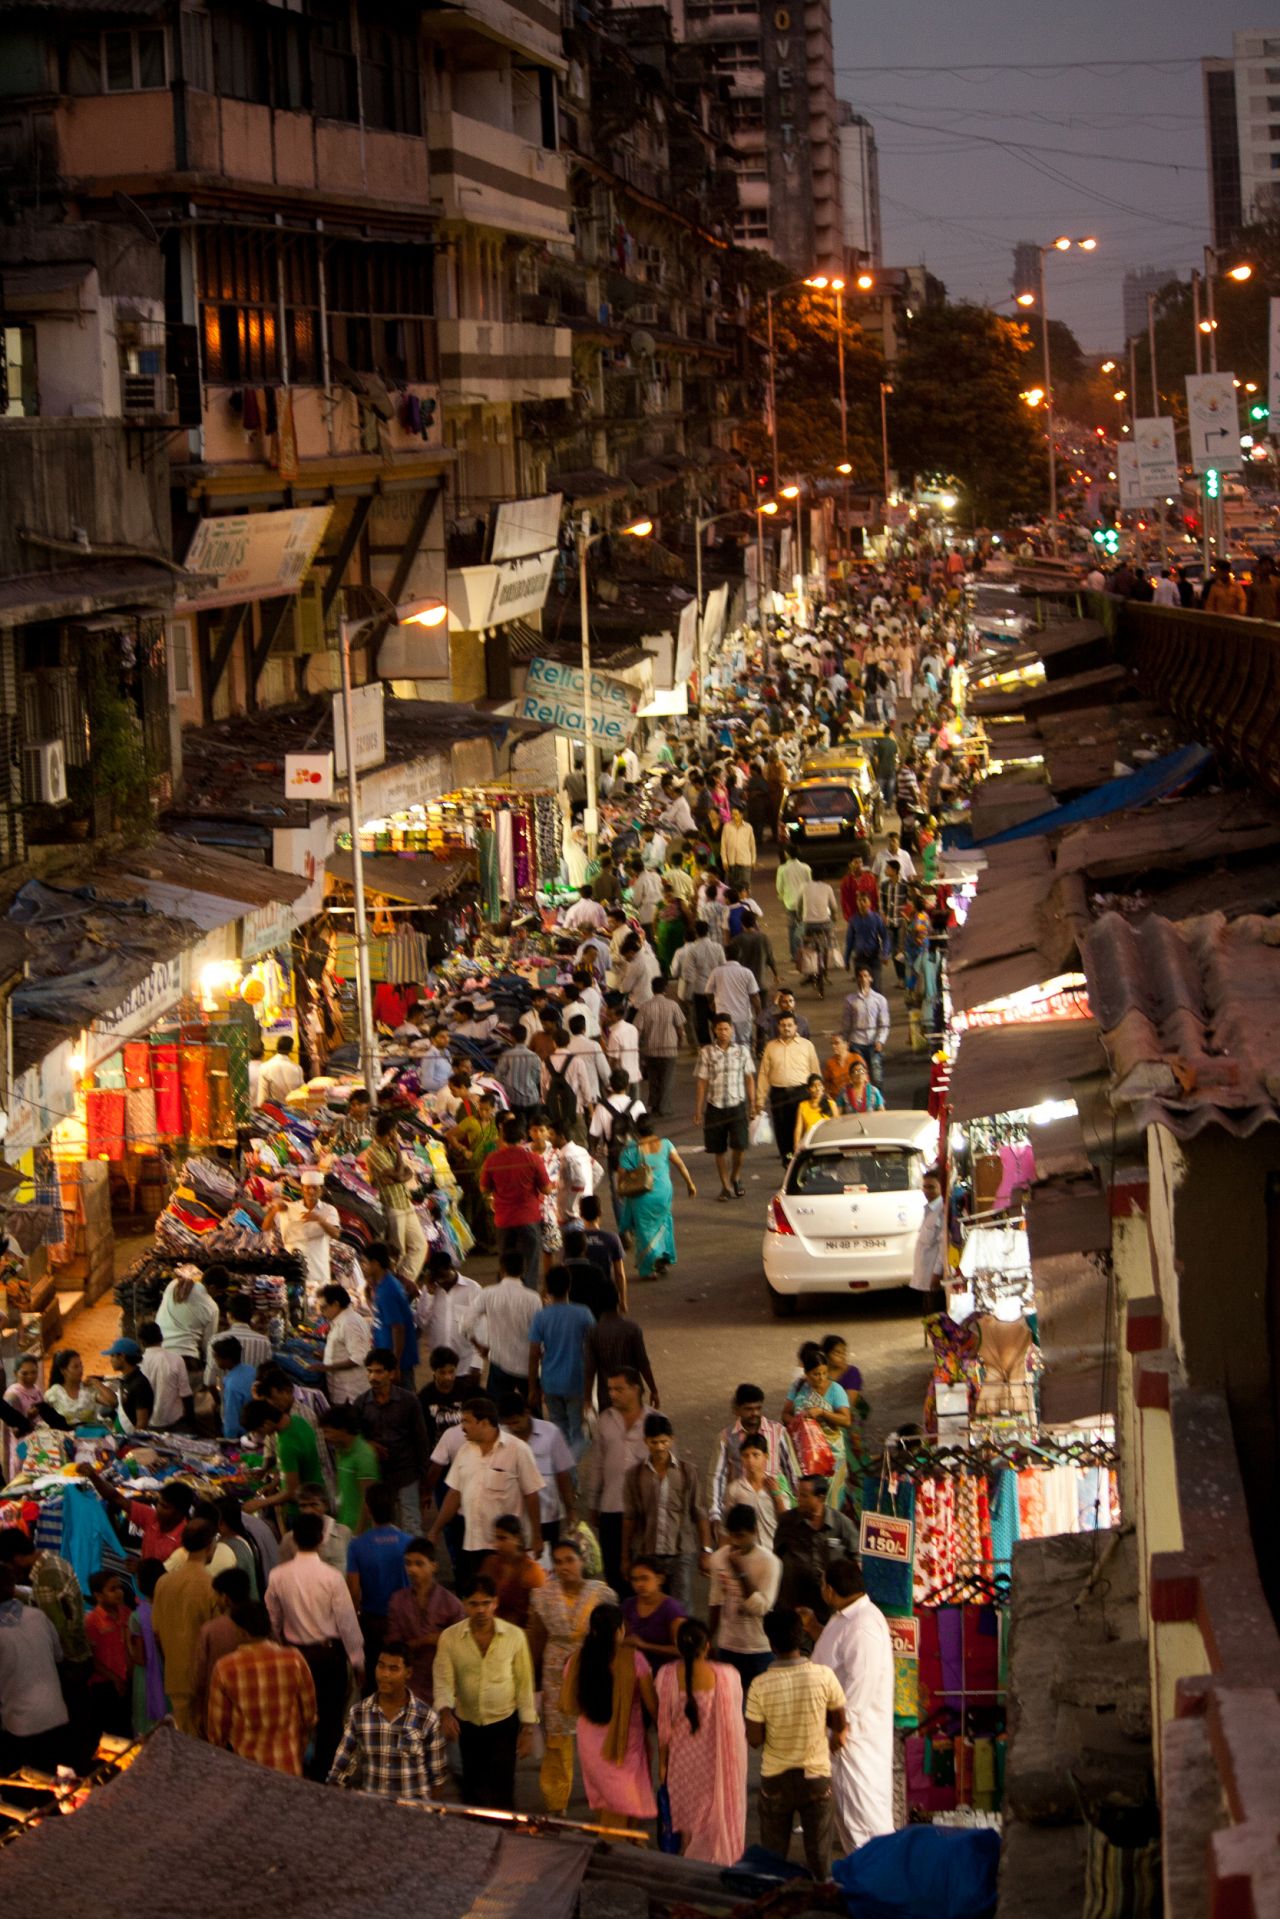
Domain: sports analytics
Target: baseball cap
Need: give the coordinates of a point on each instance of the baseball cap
(123, 1349)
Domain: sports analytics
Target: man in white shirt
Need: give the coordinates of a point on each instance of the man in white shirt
(442, 1310)
(1166, 590)
(893, 850)
(638, 970)
(929, 1260)
(590, 999)
(817, 903)
(855, 1643)
(691, 969)
(311, 1608)
(553, 1458)
(732, 989)
(794, 874)
(583, 1062)
(645, 892)
(170, 1381)
(346, 1346)
(676, 816)
(492, 1474)
(306, 1227)
(577, 1175)
(497, 1324)
(745, 1578)
(622, 1044)
(586, 915)
(280, 1075)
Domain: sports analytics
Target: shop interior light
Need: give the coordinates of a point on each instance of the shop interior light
(75, 1065)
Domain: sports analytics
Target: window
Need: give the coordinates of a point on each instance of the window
(738, 56)
(238, 307)
(390, 78)
(119, 60)
(300, 267)
(380, 307)
(18, 395)
(857, 1169)
(748, 111)
(241, 66)
(752, 225)
(333, 60)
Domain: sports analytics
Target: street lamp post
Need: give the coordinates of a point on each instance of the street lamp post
(1061, 245)
(1241, 272)
(415, 613)
(1151, 350)
(886, 388)
(821, 281)
(638, 530)
(792, 493)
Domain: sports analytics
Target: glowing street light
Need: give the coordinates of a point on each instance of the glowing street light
(1108, 366)
(1033, 395)
(1063, 244)
(845, 467)
(1026, 299)
(790, 492)
(1240, 274)
(865, 282)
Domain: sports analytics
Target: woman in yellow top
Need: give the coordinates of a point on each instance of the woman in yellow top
(816, 1105)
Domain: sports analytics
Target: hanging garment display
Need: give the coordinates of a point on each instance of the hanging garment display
(167, 1077)
(502, 824)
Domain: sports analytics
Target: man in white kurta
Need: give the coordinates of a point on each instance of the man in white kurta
(855, 1644)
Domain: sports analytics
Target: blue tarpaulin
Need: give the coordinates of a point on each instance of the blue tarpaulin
(1149, 783)
(922, 1872)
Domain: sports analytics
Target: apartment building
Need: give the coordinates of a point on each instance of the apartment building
(860, 187)
(342, 196)
(1242, 132)
(781, 66)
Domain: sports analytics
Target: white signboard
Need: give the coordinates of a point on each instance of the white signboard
(1133, 489)
(1273, 366)
(686, 636)
(308, 776)
(149, 1000)
(553, 697)
(1157, 451)
(481, 596)
(713, 616)
(370, 729)
(255, 556)
(1213, 421)
(521, 527)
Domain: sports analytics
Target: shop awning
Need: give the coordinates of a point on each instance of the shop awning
(415, 882)
(74, 592)
(1154, 782)
(199, 884)
(1003, 1069)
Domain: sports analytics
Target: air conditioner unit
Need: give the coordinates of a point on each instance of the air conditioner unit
(44, 773)
(143, 393)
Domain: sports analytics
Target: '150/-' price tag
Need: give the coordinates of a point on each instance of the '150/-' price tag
(884, 1536)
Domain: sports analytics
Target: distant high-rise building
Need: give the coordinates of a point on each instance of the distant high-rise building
(1138, 283)
(1242, 132)
(780, 64)
(1026, 266)
(860, 185)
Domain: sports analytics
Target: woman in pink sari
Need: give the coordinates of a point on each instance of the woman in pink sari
(702, 1750)
(610, 1688)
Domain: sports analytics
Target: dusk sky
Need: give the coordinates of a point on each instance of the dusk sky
(955, 200)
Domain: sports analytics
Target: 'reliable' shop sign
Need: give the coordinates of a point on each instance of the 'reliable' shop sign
(554, 696)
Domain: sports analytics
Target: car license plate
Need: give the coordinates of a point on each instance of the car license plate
(857, 1245)
(825, 826)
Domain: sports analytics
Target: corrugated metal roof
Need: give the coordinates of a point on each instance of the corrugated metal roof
(1020, 931)
(1180, 833)
(1190, 1017)
(1082, 689)
(72, 592)
(1002, 1069)
(420, 882)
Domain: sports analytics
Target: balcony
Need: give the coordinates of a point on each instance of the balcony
(494, 179)
(487, 360)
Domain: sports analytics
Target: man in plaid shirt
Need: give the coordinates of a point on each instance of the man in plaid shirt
(725, 1086)
(262, 1698)
(893, 898)
(393, 1745)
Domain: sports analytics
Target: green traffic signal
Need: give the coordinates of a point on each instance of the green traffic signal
(1212, 484)
(1259, 412)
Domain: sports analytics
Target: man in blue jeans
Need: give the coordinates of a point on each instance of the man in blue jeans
(866, 939)
(557, 1336)
(865, 1024)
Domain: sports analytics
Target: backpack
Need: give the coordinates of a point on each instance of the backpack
(562, 1103)
(623, 1130)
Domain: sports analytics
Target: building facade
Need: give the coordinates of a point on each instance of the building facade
(781, 67)
(1242, 133)
(1138, 284)
(860, 187)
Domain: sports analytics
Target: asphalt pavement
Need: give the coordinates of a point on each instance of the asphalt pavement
(709, 1323)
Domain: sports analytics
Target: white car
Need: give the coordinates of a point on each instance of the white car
(849, 1209)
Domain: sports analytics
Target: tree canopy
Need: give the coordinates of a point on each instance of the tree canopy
(957, 414)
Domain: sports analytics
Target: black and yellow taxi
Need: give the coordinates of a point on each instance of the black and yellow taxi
(824, 818)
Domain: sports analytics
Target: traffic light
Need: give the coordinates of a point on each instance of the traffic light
(1099, 538)
(764, 480)
(1111, 540)
(1259, 412)
(1212, 483)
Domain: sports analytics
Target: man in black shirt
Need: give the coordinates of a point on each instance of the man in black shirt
(391, 1417)
(137, 1397)
(603, 1248)
(587, 1285)
(442, 1398)
(807, 1540)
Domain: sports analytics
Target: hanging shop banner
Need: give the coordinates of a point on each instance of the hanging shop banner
(1064, 997)
(253, 556)
(39, 1098)
(308, 776)
(553, 697)
(904, 1636)
(480, 596)
(686, 639)
(885, 1536)
(1154, 443)
(1133, 490)
(522, 527)
(370, 729)
(1273, 365)
(1213, 421)
(713, 615)
(148, 1002)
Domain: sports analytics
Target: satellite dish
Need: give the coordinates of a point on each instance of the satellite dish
(643, 343)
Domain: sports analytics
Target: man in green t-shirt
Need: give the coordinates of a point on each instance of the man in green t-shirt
(297, 1455)
(355, 1462)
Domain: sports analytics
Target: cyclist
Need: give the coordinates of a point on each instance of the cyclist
(818, 911)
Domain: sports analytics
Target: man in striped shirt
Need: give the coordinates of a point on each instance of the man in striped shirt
(749, 1420)
(393, 1745)
(262, 1699)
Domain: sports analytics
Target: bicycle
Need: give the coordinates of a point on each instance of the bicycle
(813, 956)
